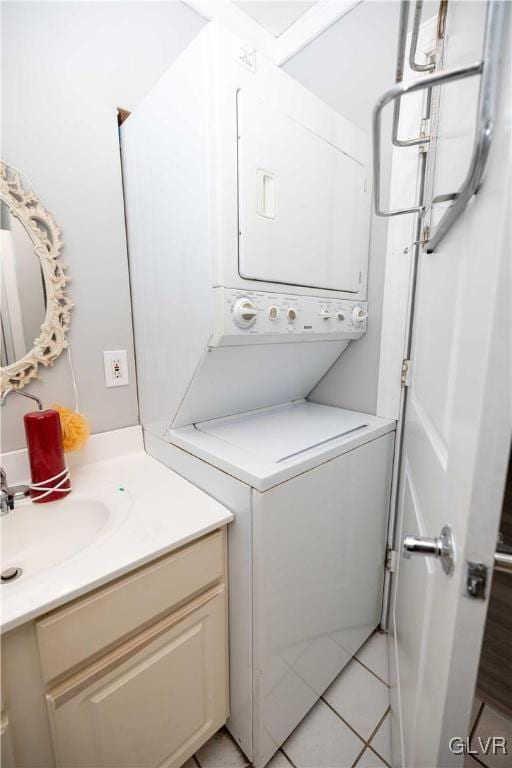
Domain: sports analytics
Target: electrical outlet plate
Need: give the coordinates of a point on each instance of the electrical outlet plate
(116, 368)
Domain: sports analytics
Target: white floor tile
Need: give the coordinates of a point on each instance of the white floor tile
(221, 752)
(381, 742)
(279, 761)
(352, 638)
(374, 655)
(319, 664)
(369, 760)
(359, 697)
(322, 740)
(492, 723)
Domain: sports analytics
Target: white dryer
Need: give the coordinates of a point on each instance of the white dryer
(247, 209)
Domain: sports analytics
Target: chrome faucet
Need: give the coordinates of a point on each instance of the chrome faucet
(9, 495)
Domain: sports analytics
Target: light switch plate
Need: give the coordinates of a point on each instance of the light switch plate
(116, 368)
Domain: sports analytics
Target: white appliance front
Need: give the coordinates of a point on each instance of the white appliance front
(318, 567)
(204, 331)
(301, 203)
(241, 304)
(309, 485)
(306, 562)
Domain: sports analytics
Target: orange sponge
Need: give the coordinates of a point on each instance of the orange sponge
(75, 428)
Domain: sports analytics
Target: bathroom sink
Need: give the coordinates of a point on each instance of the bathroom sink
(35, 537)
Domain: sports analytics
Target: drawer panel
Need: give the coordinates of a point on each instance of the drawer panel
(152, 701)
(82, 629)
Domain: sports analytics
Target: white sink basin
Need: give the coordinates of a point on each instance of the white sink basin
(35, 537)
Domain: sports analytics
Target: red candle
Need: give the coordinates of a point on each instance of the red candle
(46, 456)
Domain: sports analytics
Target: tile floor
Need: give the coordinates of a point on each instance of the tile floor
(349, 725)
(487, 722)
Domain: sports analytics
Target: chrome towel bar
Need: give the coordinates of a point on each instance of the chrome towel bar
(400, 60)
(414, 42)
(488, 68)
(398, 90)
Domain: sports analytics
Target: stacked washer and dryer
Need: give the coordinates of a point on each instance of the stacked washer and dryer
(247, 206)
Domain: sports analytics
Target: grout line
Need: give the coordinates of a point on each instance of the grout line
(343, 720)
(354, 764)
(379, 725)
(477, 720)
(472, 733)
(475, 758)
(372, 749)
(373, 735)
(281, 749)
(378, 755)
(371, 670)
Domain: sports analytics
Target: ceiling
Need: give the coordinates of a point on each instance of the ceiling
(275, 16)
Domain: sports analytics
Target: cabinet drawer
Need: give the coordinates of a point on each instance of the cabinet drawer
(83, 629)
(154, 700)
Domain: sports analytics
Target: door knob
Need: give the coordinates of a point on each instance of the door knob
(440, 548)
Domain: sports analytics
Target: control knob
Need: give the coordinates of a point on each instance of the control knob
(359, 315)
(244, 312)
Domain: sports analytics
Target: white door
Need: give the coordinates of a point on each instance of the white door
(457, 426)
(303, 203)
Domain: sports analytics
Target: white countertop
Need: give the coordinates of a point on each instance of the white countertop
(161, 511)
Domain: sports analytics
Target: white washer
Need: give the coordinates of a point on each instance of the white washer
(309, 485)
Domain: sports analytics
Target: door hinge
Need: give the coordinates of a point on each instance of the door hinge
(405, 376)
(391, 560)
(476, 580)
(424, 134)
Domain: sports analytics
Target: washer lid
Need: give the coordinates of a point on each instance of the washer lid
(284, 432)
(266, 447)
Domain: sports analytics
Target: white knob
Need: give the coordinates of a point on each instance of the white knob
(244, 313)
(325, 314)
(359, 315)
(291, 314)
(273, 312)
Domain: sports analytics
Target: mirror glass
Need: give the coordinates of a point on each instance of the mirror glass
(23, 299)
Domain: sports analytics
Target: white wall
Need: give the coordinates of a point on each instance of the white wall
(349, 66)
(66, 66)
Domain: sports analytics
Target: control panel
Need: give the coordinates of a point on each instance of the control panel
(242, 317)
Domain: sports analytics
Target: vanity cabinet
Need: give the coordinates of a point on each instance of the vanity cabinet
(128, 682)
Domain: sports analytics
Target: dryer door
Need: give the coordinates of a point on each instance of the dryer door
(303, 206)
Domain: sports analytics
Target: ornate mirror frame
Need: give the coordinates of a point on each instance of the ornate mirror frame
(45, 235)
